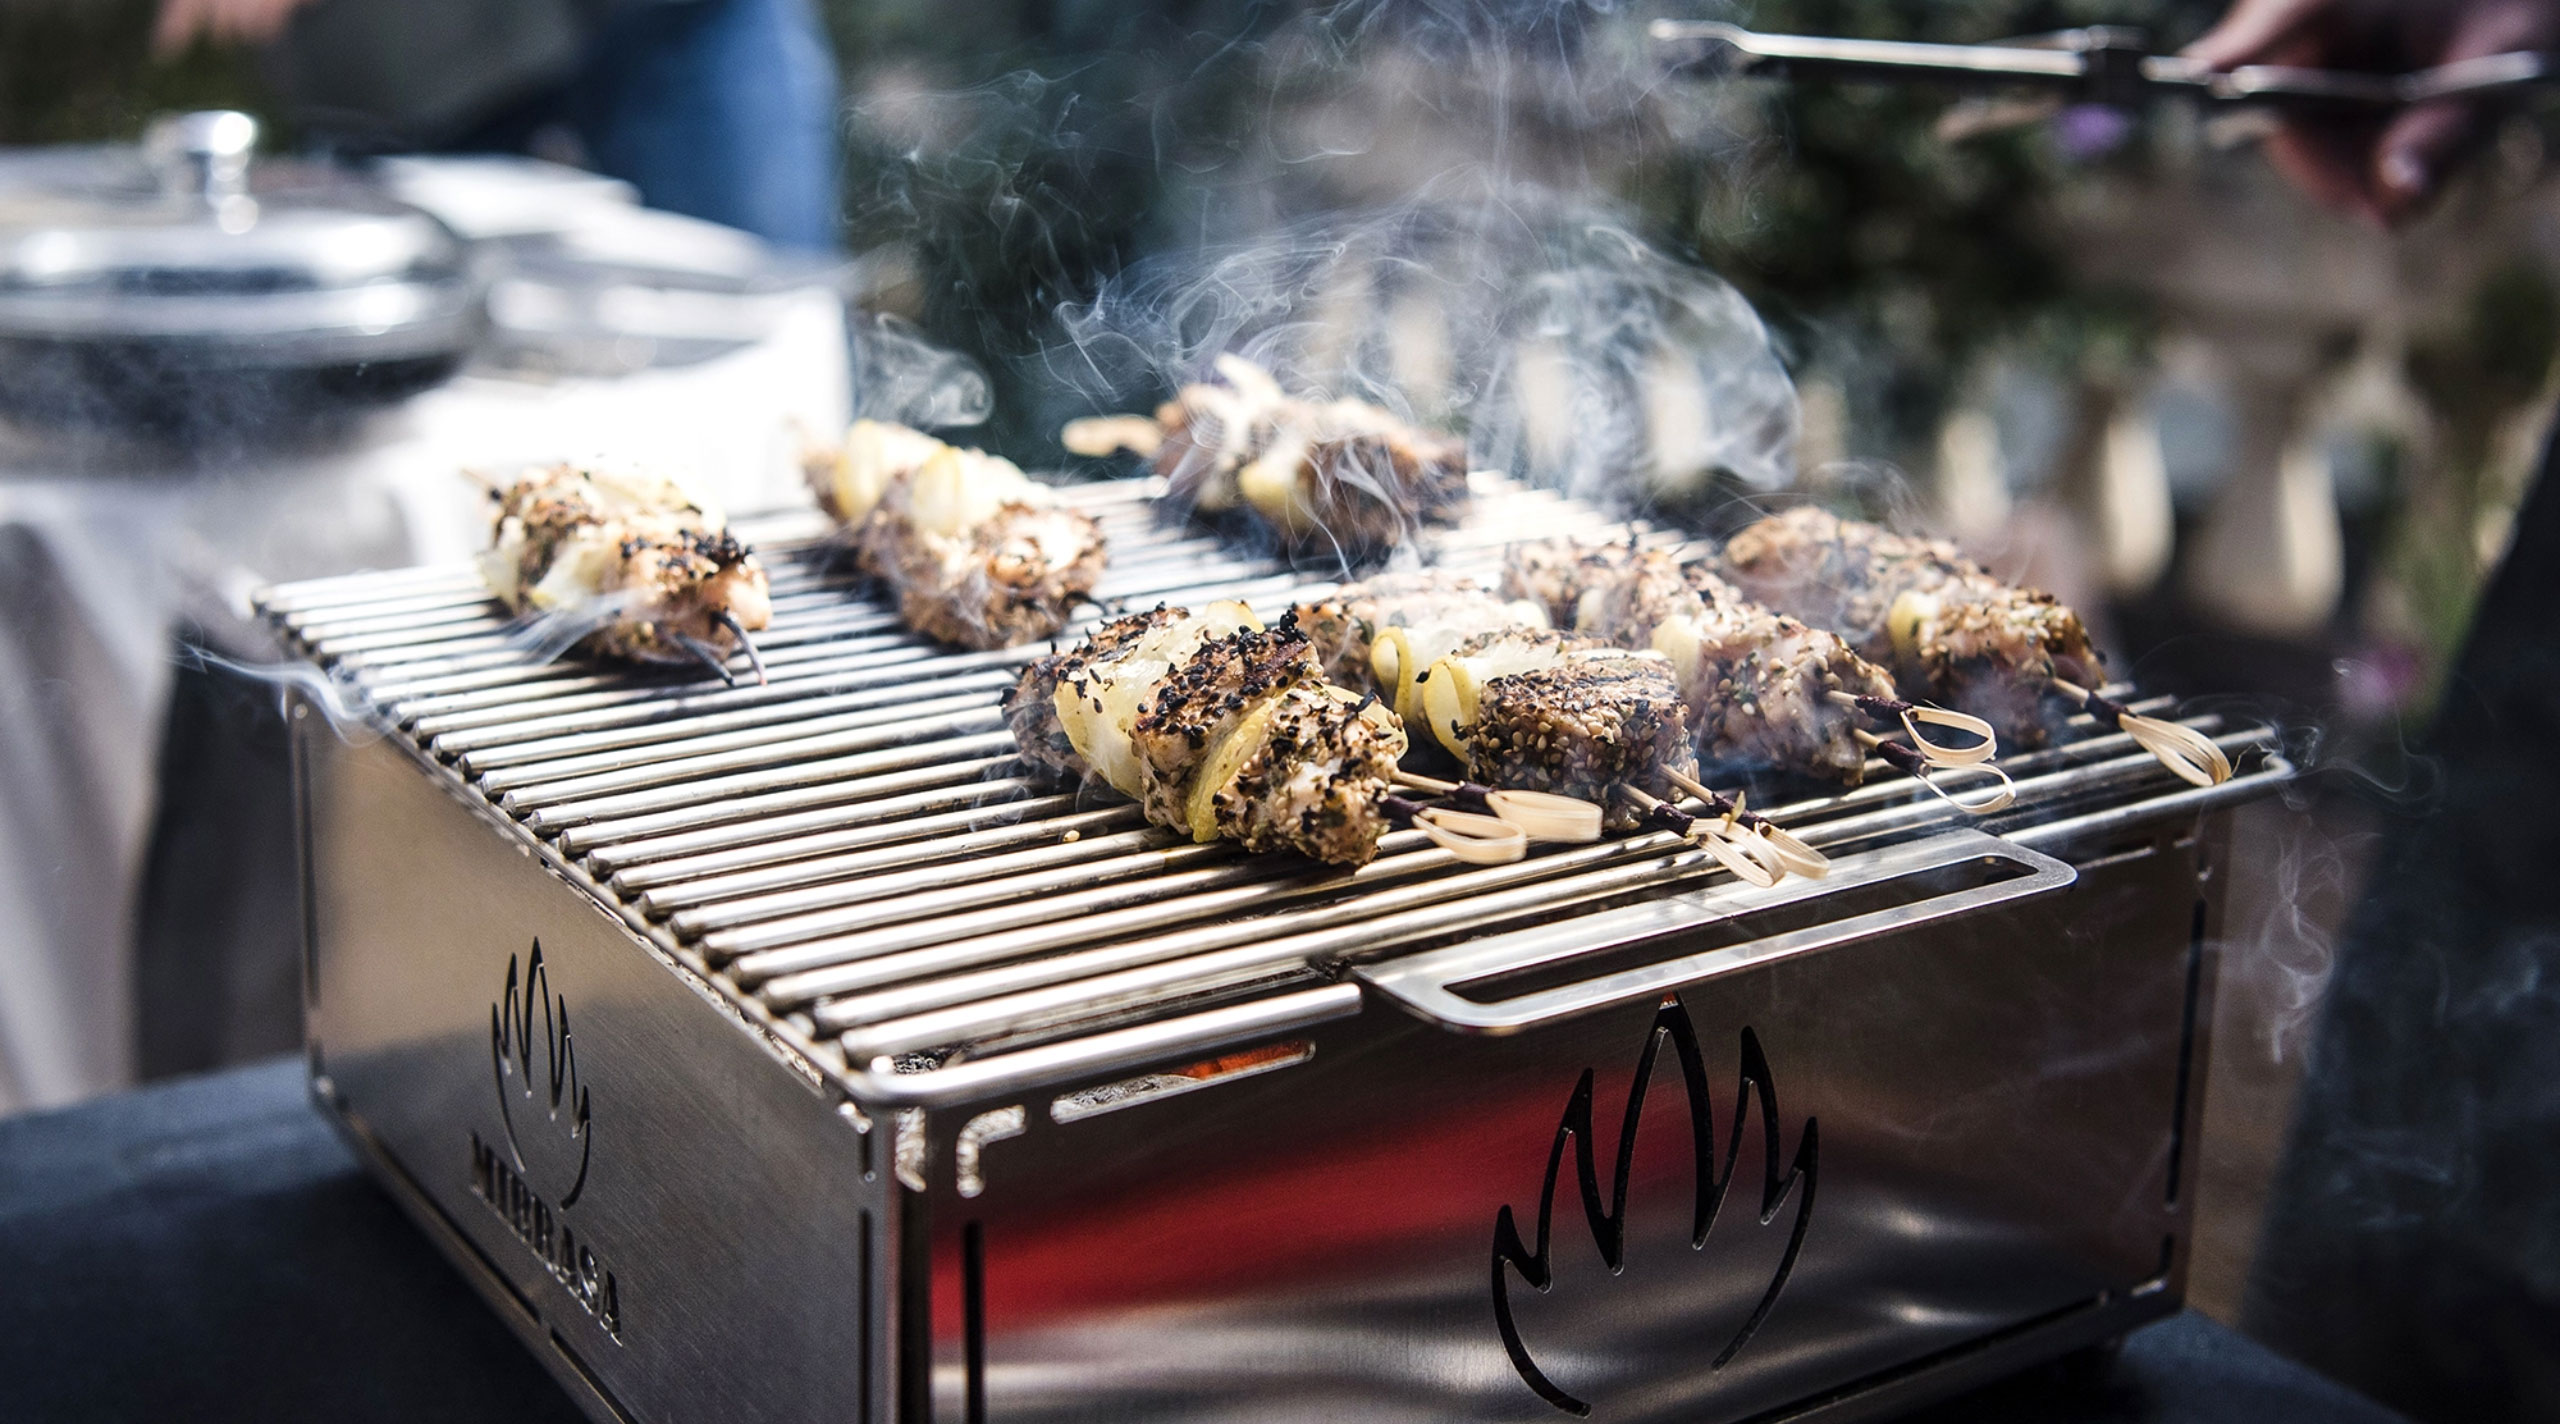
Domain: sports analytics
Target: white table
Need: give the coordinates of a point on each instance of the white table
(105, 552)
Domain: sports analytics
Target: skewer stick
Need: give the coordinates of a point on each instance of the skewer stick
(1793, 855)
(738, 630)
(1716, 838)
(1912, 715)
(2182, 749)
(1473, 839)
(1540, 815)
(707, 655)
(1926, 772)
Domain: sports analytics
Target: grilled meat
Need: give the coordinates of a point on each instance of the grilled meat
(660, 576)
(1521, 707)
(1207, 698)
(1386, 631)
(1952, 633)
(1569, 715)
(978, 553)
(1340, 473)
(1218, 726)
(1031, 708)
(1755, 683)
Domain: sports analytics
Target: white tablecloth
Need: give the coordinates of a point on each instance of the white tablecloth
(104, 552)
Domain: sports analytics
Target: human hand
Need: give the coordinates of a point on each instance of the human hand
(183, 22)
(2388, 168)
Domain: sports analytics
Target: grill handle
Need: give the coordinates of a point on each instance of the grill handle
(880, 1085)
(1878, 892)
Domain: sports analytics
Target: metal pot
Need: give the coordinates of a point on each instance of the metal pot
(179, 287)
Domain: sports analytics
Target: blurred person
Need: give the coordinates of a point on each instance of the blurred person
(718, 109)
(2411, 1245)
(2391, 168)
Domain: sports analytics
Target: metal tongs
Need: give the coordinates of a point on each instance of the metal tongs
(2100, 64)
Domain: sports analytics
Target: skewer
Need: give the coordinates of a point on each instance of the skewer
(1473, 839)
(1794, 854)
(708, 656)
(1912, 715)
(1540, 815)
(755, 659)
(1718, 837)
(1907, 759)
(2182, 749)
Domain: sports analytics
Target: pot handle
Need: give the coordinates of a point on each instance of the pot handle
(1509, 982)
(204, 154)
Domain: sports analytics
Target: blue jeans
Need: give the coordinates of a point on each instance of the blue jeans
(718, 109)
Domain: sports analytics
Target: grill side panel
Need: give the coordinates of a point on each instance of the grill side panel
(670, 1213)
(1993, 1104)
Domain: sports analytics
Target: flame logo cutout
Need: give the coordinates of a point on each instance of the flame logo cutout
(1608, 1222)
(511, 1049)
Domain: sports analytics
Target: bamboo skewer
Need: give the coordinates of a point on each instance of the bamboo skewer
(1474, 839)
(1797, 857)
(1912, 715)
(2184, 750)
(1718, 838)
(1926, 772)
(1540, 815)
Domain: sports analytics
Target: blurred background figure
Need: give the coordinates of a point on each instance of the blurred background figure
(717, 109)
(2411, 1243)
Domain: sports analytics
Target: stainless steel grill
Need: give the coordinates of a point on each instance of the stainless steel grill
(847, 867)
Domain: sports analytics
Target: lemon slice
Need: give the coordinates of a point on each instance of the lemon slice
(1910, 613)
(1220, 766)
(1450, 699)
(1100, 721)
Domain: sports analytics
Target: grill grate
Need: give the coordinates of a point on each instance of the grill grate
(852, 854)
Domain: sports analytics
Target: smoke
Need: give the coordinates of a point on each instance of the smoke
(1442, 208)
(345, 708)
(903, 376)
(1566, 348)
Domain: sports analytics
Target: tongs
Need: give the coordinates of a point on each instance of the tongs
(2098, 64)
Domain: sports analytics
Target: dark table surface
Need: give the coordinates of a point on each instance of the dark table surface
(207, 1250)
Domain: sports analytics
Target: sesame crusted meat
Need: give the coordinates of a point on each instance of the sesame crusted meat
(1317, 781)
(1030, 707)
(1522, 707)
(1208, 697)
(1434, 608)
(1596, 720)
(1756, 684)
(977, 552)
(661, 578)
(1340, 473)
(1952, 632)
(1217, 726)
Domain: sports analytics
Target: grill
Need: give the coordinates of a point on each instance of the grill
(784, 1050)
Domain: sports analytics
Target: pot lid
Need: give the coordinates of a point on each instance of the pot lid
(188, 241)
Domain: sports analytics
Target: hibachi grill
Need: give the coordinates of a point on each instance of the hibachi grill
(788, 1051)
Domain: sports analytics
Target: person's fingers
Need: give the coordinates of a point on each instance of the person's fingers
(2416, 152)
(2252, 29)
(183, 22)
(2333, 165)
(178, 25)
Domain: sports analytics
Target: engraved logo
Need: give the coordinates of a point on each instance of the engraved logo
(550, 1138)
(1608, 1220)
(546, 1109)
